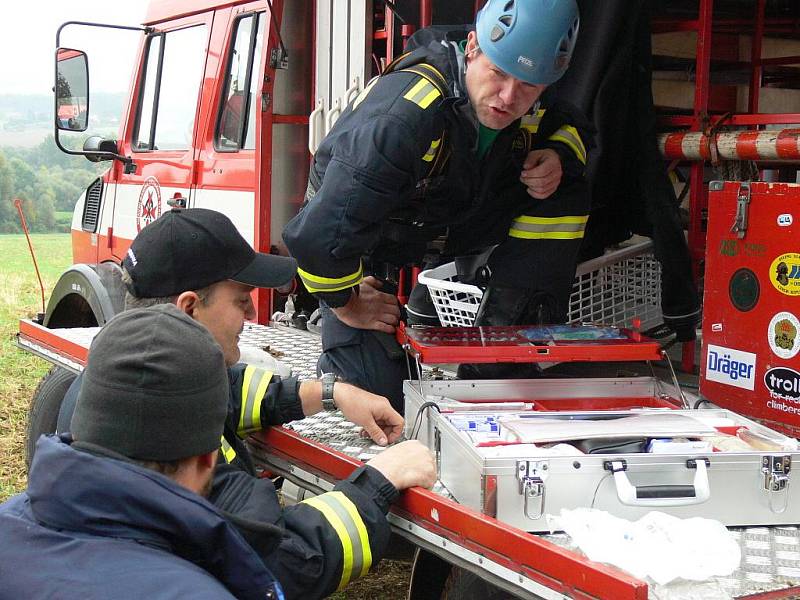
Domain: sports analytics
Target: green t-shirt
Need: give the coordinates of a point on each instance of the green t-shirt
(486, 138)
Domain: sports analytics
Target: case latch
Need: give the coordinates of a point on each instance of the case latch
(742, 205)
(437, 449)
(776, 479)
(531, 476)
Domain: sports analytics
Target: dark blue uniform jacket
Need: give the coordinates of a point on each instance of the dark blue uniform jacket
(94, 527)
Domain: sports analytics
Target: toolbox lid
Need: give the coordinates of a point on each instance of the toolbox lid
(542, 343)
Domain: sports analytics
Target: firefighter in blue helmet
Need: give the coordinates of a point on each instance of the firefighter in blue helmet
(447, 144)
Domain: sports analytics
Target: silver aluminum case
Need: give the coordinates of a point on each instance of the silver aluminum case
(737, 481)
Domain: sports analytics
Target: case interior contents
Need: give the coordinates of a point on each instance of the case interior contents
(660, 433)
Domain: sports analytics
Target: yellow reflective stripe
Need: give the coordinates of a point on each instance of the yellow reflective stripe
(343, 516)
(361, 530)
(430, 97)
(553, 228)
(422, 93)
(316, 283)
(531, 122)
(416, 88)
(363, 93)
(431, 153)
(568, 135)
(228, 452)
(254, 388)
(249, 371)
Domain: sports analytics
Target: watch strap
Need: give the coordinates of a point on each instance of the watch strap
(328, 380)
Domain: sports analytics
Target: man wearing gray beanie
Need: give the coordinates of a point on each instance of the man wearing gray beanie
(118, 512)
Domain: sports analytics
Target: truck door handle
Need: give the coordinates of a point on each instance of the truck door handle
(177, 201)
(662, 495)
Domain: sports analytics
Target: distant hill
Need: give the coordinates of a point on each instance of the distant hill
(25, 119)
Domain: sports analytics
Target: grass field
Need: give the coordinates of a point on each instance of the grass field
(19, 371)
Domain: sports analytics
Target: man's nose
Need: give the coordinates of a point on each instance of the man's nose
(509, 90)
(250, 310)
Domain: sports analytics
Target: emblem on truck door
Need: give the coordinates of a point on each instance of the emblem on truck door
(149, 207)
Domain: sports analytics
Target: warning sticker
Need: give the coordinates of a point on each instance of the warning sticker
(782, 335)
(784, 273)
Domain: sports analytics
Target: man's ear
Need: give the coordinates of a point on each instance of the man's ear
(209, 460)
(472, 44)
(187, 302)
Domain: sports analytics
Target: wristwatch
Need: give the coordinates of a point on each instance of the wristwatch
(328, 379)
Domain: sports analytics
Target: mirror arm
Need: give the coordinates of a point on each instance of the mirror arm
(130, 166)
(147, 30)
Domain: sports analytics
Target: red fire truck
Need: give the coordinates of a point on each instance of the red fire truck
(227, 101)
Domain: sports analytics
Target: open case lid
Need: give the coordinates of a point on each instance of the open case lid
(536, 343)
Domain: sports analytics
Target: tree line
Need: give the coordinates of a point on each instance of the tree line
(47, 181)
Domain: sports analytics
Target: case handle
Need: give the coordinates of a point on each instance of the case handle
(662, 495)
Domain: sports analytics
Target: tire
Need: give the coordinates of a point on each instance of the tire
(465, 585)
(45, 404)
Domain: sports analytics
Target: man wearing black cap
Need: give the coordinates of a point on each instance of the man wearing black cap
(118, 512)
(198, 261)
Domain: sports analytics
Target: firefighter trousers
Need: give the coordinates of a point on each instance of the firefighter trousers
(371, 360)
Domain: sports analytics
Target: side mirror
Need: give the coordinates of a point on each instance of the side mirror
(72, 90)
(98, 149)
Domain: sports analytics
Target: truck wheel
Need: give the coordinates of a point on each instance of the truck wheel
(465, 585)
(46, 402)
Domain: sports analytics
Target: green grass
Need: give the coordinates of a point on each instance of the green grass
(19, 371)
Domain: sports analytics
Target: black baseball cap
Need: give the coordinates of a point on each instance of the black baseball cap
(189, 249)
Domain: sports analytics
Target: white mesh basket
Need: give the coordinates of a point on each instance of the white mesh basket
(613, 289)
(456, 303)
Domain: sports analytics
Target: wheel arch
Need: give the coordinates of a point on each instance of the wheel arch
(86, 296)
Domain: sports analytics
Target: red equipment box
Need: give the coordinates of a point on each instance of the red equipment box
(751, 346)
(527, 343)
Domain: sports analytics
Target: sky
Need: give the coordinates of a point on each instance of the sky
(27, 41)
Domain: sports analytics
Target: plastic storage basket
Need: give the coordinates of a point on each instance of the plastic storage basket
(613, 289)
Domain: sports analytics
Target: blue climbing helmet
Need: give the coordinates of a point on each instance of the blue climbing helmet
(531, 40)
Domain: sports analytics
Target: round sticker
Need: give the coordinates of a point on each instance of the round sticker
(783, 335)
(743, 289)
(149, 207)
(784, 273)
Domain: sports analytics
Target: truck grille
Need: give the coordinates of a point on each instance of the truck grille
(91, 207)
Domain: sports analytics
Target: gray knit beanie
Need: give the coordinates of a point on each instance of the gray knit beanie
(155, 387)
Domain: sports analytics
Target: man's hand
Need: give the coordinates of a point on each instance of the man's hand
(370, 308)
(380, 421)
(406, 465)
(541, 173)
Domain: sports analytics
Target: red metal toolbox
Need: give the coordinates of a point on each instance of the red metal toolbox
(751, 347)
